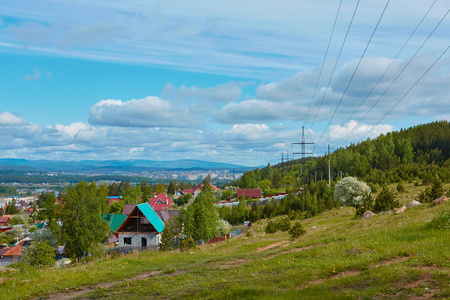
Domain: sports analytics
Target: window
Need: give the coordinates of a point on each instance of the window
(127, 241)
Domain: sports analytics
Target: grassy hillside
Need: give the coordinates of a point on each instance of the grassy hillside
(388, 256)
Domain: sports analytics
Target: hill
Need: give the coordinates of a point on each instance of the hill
(387, 256)
(419, 153)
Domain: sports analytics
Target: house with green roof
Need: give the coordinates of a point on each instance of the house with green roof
(141, 229)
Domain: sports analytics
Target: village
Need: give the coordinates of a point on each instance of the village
(136, 226)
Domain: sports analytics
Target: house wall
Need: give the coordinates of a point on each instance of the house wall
(153, 240)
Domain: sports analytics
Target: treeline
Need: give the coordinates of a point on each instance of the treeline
(314, 199)
(419, 153)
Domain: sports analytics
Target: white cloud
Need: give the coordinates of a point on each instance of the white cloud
(146, 112)
(230, 91)
(352, 131)
(7, 118)
(257, 111)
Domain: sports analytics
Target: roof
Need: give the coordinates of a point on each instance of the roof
(151, 215)
(249, 193)
(113, 199)
(16, 250)
(128, 208)
(148, 213)
(161, 201)
(211, 185)
(116, 221)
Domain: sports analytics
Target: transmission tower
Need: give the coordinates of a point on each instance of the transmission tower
(303, 145)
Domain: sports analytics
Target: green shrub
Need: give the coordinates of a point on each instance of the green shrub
(400, 188)
(39, 254)
(385, 200)
(297, 230)
(284, 224)
(271, 227)
(187, 244)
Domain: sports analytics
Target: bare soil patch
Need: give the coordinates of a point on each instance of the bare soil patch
(392, 261)
(271, 246)
(71, 293)
(228, 263)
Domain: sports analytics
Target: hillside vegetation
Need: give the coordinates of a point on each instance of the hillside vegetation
(418, 153)
(388, 256)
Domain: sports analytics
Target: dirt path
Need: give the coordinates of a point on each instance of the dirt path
(70, 294)
(271, 246)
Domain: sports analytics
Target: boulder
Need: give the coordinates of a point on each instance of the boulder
(440, 200)
(400, 210)
(385, 212)
(368, 214)
(413, 203)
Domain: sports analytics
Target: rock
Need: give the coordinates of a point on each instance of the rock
(314, 227)
(191, 253)
(385, 212)
(413, 203)
(368, 214)
(400, 210)
(440, 200)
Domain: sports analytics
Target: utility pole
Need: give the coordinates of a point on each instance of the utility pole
(329, 166)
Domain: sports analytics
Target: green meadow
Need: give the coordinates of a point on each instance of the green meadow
(400, 256)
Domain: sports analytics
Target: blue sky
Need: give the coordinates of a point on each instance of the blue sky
(225, 81)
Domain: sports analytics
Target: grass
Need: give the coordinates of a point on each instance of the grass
(387, 256)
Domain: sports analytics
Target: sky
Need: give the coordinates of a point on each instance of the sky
(224, 81)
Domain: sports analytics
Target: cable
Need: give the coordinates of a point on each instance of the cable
(334, 68)
(403, 69)
(323, 62)
(354, 72)
(406, 93)
(387, 69)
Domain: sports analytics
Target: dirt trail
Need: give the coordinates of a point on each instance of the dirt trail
(70, 294)
(271, 246)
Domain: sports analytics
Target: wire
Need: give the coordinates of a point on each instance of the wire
(323, 62)
(382, 76)
(354, 72)
(395, 79)
(406, 93)
(334, 68)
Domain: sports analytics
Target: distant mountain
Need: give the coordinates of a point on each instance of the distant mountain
(114, 165)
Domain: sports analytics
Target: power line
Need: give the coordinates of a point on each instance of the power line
(354, 72)
(406, 92)
(335, 65)
(387, 69)
(323, 62)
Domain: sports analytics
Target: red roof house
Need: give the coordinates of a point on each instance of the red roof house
(161, 201)
(249, 193)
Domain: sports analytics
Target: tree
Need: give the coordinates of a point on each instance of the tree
(160, 188)
(172, 232)
(48, 210)
(223, 227)
(201, 217)
(171, 189)
(11, 208)
(207, 180)
(132, 195)
(19, 219)
(248, 180)
(351, 192)
(385, 200)
(39, 254)
(82, 226)
(116, 207)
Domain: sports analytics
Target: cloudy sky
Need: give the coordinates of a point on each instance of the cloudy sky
(227, 81)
